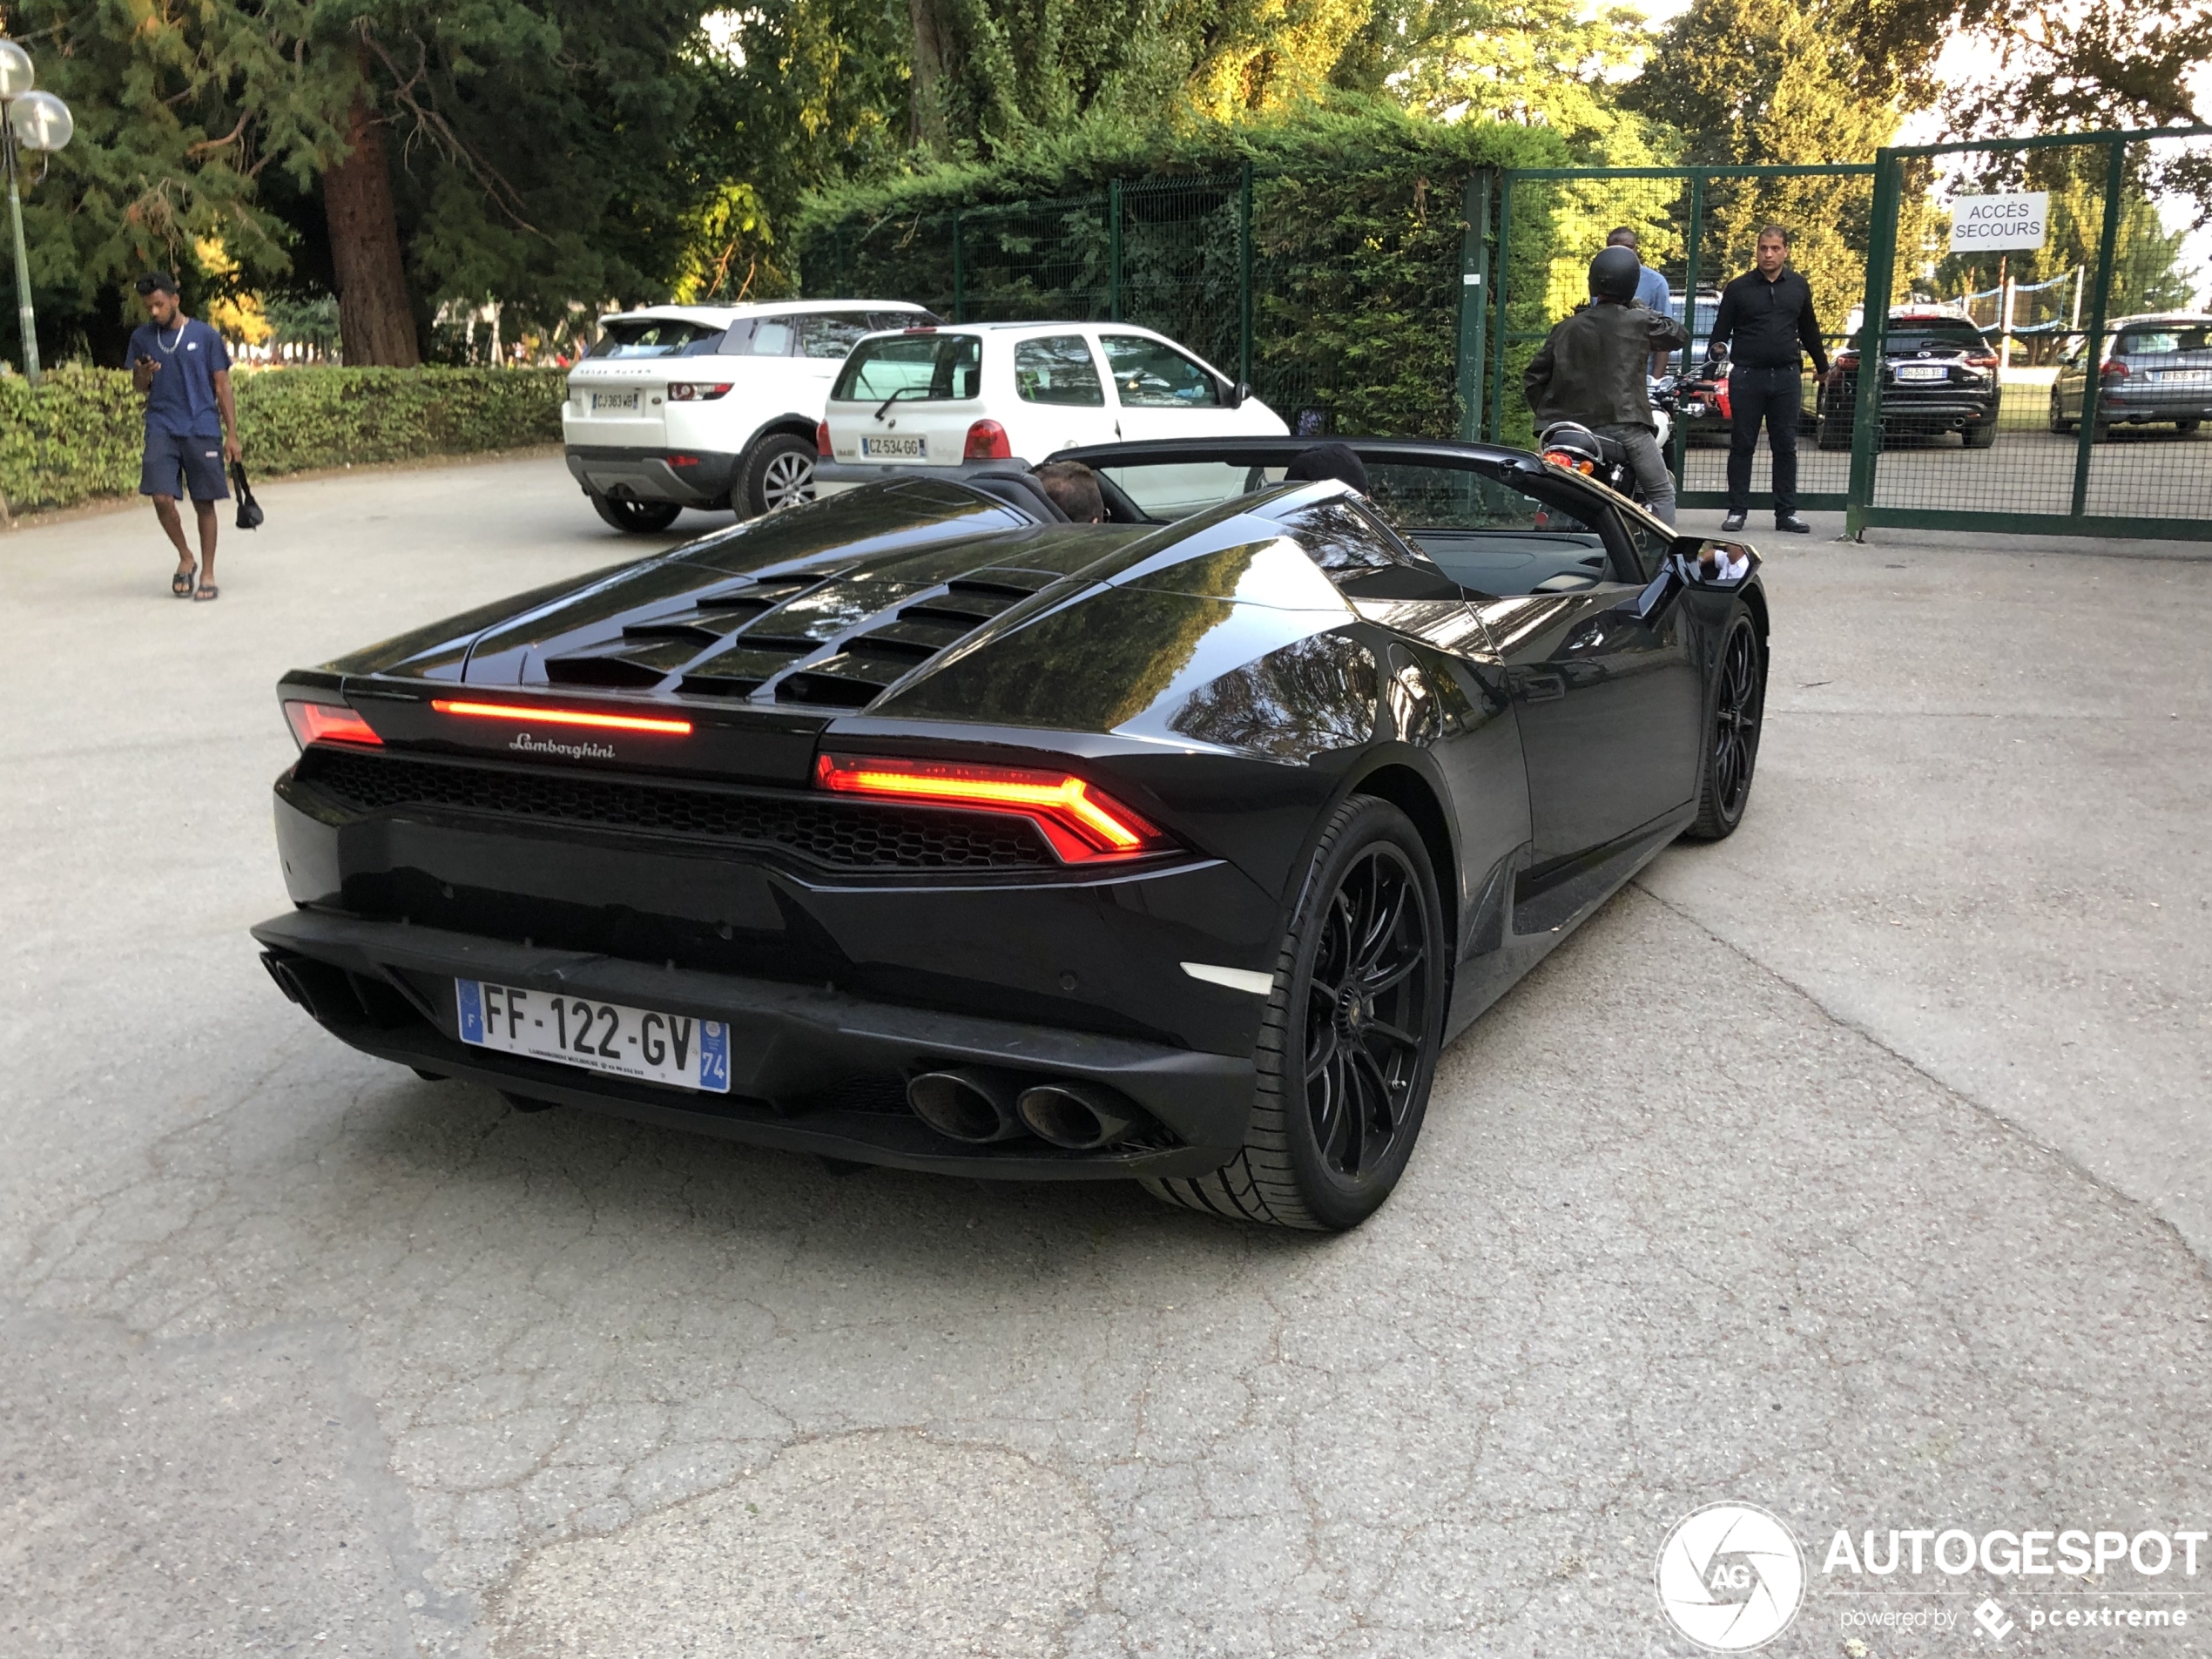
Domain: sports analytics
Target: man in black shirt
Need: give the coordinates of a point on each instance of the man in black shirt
(1768, 313)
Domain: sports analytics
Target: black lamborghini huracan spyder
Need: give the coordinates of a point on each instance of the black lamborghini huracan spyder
(916, 826)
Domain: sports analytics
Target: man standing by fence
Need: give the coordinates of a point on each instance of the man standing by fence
(1767, 312)
(182, 368)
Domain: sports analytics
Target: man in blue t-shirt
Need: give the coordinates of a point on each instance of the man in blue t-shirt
(1651, 286)
(184, 372)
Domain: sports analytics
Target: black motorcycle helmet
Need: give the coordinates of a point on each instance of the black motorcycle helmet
(1614, 273)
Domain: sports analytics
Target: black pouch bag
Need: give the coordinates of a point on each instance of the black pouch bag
(249, 510)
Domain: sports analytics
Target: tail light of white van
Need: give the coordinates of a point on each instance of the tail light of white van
(986, 441)
(821, 439)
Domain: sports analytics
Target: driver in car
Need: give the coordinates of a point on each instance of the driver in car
(1593, 370)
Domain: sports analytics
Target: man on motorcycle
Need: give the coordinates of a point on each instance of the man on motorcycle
(1594, 369)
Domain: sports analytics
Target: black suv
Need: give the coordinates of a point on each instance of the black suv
(1938, 374)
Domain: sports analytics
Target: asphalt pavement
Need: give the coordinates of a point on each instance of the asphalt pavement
(1857, 1167)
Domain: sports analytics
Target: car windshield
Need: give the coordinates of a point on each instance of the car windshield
(920, 366)
(656, 337)
(1487, 531)
(1911, 334)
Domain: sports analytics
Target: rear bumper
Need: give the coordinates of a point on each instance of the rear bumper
(812, 1070)
(649, 474)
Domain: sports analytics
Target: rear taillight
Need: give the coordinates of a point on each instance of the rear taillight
(986, 441)
(1982, 362)
(696, 391)
(328, 723)
(1846, 360)
(1571, 461)
(821, 439)
(2115, 371)
(1084, 823)
(528, 714)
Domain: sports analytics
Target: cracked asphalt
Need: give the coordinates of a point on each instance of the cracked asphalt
(1857, 1167)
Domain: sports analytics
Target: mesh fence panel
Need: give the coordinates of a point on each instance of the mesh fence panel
(2106, 312)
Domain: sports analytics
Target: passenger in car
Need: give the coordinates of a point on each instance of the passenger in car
(1336, 461)
(1073, 489)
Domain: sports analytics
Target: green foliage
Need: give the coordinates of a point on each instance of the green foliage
(79, 435)
(1356, 233)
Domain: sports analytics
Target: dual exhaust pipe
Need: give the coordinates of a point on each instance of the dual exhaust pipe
(979, 1107)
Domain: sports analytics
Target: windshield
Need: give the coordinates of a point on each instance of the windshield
(657, 337)
(2163, 342)
(923, 368)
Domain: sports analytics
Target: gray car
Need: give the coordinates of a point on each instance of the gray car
(2156, 370)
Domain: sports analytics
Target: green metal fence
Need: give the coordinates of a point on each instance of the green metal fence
(2098, 337)
(1378, 300)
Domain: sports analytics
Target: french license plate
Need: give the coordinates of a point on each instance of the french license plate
(2181, 376)
(896, 448)
(678, 1050)
(1923, 372)
(614, 402)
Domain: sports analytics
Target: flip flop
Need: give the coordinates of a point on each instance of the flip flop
(208, 590)
(181, 583)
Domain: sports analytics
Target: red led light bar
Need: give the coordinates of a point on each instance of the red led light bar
(563, 716)
(328, 723)
(1083, 823)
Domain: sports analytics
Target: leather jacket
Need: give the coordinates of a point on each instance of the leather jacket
(1596, 367)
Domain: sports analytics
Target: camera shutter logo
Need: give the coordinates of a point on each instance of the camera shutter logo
(1730, 1577)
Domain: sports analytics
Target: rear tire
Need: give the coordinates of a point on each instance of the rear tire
(1732, 722)
(1980, 436)
(1348, 1043)
(780, 471)
(1834, 433)
(2187, 428)
(638, 518)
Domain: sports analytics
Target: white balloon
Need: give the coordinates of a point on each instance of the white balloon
(15, 70)
(41, 120)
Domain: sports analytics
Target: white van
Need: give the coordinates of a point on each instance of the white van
(949, 395)
(710, 406)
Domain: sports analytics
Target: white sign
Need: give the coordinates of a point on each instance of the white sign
(2000, 224)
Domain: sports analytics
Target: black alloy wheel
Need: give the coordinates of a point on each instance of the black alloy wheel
(781, 471)
(1349, 1041)
(1732, 731)
(638, 518)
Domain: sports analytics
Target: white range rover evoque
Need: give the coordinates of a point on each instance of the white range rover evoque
(710, 406)
(958, 396)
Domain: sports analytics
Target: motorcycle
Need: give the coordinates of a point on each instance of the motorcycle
(1701, 395)
(1573, 446)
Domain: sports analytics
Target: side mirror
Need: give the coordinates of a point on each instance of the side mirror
(1235, 394)
(1719, 565)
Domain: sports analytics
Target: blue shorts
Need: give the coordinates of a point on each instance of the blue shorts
(196, 463)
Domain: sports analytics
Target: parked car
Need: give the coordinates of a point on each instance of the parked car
(2156, 370)
(919, 826)
(979, 393)
(710, 406)
(1938, 374)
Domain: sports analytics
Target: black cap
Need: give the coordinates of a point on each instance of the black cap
(156, 282)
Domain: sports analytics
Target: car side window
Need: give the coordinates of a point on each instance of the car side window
(1495, 536)
(1152, 374)
(761, 337)
(1650, 542)
(831, 334)
(881, 321)
(1057, 369)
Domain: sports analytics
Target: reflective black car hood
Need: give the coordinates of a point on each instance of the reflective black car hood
(920, 598)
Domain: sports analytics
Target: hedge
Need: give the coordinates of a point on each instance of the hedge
(78, 435)
(1356, 239)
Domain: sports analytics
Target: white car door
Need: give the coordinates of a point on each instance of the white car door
(1162, 391)
(1060, 396)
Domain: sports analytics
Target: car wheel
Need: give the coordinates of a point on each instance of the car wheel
(1732, 730)
(1982, 435)
(1348, 1044)
(780, 472)
(2059, 422)
(638, 518)
(1834, 433)
(2187, 428)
